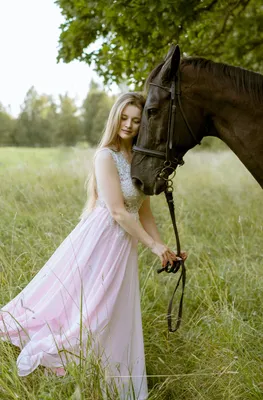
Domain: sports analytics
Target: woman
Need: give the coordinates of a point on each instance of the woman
(86, 297)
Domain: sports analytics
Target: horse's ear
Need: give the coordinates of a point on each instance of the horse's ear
(170, 52)
(171, 65)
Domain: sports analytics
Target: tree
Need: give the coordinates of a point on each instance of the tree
(7, 124)
(36, 123)
(69, 128)
(136, 34)
(96, 108)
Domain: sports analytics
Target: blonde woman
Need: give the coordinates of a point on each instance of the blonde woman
(88, 291)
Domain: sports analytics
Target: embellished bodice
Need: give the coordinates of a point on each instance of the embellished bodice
(132, 196)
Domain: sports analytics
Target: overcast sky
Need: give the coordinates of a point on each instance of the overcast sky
(29, 32)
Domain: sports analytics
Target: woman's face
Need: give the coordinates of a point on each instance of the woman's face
(130, 122)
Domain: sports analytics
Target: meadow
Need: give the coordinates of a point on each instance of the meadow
(217, 354)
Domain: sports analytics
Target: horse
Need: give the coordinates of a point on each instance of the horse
(188, 99)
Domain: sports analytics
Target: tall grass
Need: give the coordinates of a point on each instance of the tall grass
(217, 353)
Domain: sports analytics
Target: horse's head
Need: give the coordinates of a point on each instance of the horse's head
(170, 126)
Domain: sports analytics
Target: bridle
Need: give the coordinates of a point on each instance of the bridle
(168, 156)
(171, 163)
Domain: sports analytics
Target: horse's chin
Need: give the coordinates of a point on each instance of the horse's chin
(159, 186)
(148, 190)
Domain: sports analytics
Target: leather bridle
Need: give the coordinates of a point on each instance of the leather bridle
(168, 156)
(171, 163)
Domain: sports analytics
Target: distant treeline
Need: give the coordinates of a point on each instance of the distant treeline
(42, 122)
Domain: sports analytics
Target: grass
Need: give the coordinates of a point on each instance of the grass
(217, 352)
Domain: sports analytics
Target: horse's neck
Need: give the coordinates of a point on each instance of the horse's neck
(237, 121)
(245, 141)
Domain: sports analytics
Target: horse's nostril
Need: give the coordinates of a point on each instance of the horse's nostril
(138, 183)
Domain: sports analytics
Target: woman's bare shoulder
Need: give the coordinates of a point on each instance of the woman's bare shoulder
(106, 148)
(101, 154)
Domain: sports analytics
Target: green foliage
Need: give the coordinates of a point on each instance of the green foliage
(35, 125)
(96, 108)
(69, 128)
(134, 35)
(217, 352)
(7, 124)
(44, 123)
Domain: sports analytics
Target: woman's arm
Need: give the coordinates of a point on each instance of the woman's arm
(108, 181)
(149, 225)
(147, 220)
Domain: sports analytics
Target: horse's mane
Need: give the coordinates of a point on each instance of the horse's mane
(242, 80)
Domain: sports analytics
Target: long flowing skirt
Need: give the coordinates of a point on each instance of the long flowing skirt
(87, 291)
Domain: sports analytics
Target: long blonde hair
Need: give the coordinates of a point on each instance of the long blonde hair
(110, 138)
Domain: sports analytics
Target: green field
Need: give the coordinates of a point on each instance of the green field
(218, 352)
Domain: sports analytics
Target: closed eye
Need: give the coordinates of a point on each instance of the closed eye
(151, 112)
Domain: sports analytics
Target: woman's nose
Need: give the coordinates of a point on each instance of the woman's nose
(128, 123)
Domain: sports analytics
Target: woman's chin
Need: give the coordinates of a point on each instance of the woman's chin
(126, 137)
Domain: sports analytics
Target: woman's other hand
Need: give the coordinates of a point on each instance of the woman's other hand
(165, 254)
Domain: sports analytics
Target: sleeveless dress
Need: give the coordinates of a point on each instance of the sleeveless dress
(87, 292)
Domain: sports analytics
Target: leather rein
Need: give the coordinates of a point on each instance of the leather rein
(171, 162)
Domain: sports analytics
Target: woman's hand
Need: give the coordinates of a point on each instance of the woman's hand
(165, 254)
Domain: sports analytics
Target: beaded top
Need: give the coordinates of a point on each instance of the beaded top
(133, 197)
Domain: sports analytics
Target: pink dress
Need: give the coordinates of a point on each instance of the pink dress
(86, 299)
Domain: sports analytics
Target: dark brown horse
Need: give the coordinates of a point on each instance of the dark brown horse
(211, 99)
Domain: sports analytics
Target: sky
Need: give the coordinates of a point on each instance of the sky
(29, 33)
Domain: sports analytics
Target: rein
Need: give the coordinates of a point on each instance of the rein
(171, 162)
(175, 267)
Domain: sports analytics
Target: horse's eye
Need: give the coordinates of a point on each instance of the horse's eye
(151, 112)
